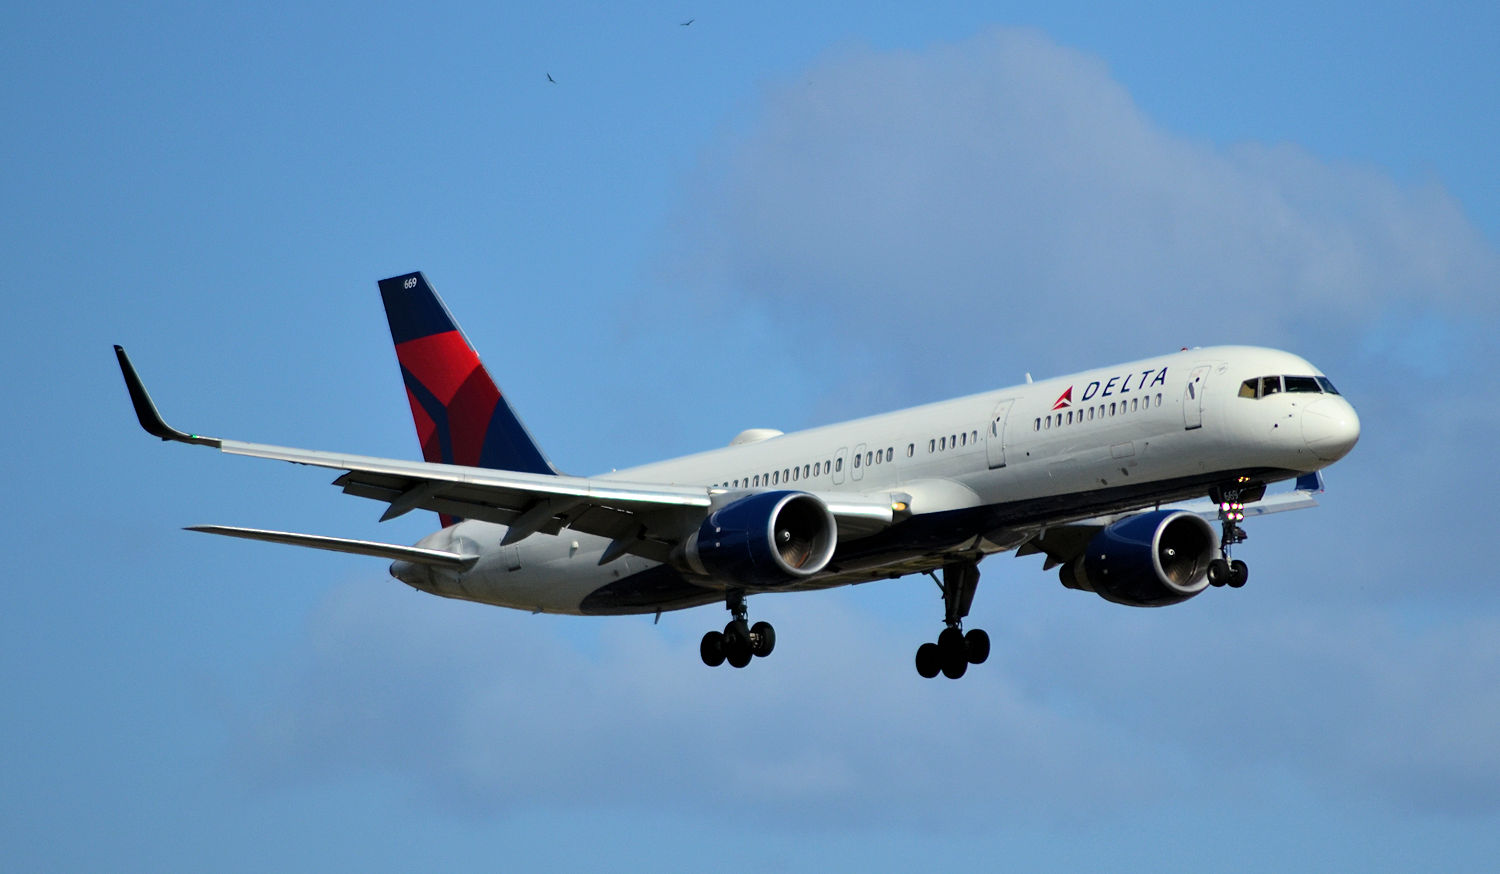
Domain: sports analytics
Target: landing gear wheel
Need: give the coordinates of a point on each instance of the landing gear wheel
(765, 639)
(951, 642)
(1219, 572)
(978, 645)
(954, 652)
(1239, 573)
(929, 660)
(954, 667)
(737, 643)
(712, 649)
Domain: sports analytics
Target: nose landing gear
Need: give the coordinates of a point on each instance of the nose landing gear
(739, 641)
(955, 650)
(1222, 571)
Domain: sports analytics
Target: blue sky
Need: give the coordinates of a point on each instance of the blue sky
(778, 216)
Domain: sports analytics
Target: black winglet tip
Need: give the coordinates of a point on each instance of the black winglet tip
(145, 410)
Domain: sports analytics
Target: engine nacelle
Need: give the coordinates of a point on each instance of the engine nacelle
(1149, 560)
(767, 539)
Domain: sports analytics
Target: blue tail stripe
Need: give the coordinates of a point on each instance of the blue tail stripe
(412, 308)
(435, 411)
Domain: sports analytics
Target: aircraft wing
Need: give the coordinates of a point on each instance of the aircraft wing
(645, 519)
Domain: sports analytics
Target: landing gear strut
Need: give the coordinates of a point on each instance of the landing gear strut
(739, 641)
(1222, 571)
(955, 650)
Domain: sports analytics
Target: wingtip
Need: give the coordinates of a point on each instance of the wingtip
(145, 409)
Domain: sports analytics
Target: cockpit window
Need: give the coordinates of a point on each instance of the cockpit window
(1270, 385)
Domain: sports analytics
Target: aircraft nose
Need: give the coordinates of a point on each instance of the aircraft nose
(1330, 427)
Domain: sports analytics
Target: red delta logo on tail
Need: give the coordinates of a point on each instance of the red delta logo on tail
(1064, 400)
(460, 414)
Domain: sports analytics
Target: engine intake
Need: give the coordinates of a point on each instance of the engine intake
(767, 539)
(1149, 560)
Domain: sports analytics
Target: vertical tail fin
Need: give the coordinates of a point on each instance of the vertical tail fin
(461, 416)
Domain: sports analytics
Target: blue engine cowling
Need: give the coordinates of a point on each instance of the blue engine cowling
(764, 540)
(1150, 560)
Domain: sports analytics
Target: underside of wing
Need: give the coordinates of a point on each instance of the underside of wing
(414, 554)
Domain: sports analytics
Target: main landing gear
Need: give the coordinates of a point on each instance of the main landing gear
(955, 650)
(1222, 571)
(739, 641)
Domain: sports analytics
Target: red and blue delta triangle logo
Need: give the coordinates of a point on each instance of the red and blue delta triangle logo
(1064, 400)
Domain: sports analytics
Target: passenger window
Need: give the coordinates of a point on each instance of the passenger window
(942, 443)
(1135, 404)
(1047, 423)
(838, 464)
(890, 453)
(775, 477)
(879, 457)
(911, 449)
(869, 458)
(1070, 417)
(806, 471)
(1111, 408)
(856, 461)
(757, 481)
(796, 474)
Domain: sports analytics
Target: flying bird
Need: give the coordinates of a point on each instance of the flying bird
(686, 23)
(550, 79)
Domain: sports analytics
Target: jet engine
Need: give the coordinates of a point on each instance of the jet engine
(1148, 560)
(767, 540)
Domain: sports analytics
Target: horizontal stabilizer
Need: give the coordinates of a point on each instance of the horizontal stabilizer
(414, 554)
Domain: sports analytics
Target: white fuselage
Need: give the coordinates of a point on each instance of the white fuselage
(994, 468)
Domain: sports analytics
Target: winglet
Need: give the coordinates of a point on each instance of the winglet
(146, 411)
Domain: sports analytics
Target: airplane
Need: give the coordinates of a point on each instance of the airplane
(1107, 474)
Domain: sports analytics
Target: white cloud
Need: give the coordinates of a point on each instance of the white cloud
(1004, 202)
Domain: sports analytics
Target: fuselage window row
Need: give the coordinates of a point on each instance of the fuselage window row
(792, 474)
(952, 441)
(1073, 417)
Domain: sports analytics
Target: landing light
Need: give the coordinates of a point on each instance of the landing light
(899, 507)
